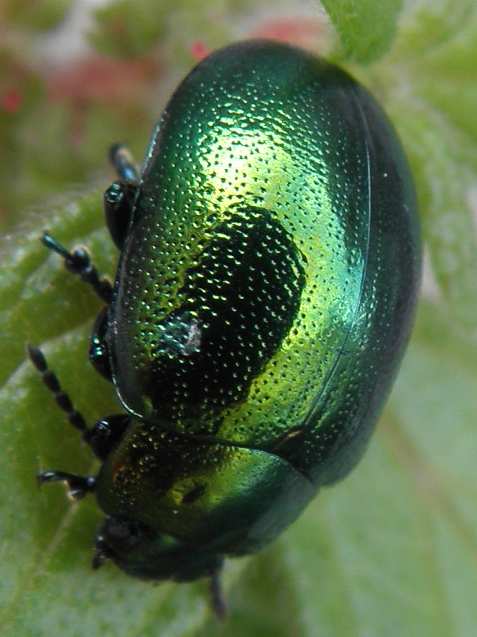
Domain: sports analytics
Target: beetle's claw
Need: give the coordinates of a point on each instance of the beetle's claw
(219, 605)
(45, 476)
(78, 486)
(101, 553)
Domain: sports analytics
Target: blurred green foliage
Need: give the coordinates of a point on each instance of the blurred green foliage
(390, 551)
(37, 16)
(127, 29)
(353, 17)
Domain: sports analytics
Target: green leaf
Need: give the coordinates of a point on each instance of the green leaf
(366, 27)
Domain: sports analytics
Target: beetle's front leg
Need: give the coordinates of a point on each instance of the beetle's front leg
(78, 262)
(119, 198)
(118, 204)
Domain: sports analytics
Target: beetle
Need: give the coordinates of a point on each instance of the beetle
(265, 292)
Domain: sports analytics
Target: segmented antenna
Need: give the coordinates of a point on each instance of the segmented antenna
(53, 384)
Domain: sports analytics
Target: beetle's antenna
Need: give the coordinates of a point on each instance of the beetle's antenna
(219, 604)
(53, 384)
(124, 164)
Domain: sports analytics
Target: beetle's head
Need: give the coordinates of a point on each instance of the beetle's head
(147, 554)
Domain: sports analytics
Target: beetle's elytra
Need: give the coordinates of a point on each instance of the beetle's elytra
(269, 262)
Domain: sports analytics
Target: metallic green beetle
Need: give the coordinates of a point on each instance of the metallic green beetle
(270, 257)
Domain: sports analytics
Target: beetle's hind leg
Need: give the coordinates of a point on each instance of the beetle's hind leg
(78, 262)
(119, 198)
(217, 599)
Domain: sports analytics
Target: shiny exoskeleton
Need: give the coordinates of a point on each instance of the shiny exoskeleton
(269, 262)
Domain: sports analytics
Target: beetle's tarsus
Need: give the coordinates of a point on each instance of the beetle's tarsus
(78, 486)
(217, 597)
(51, 381)
(78, 262)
